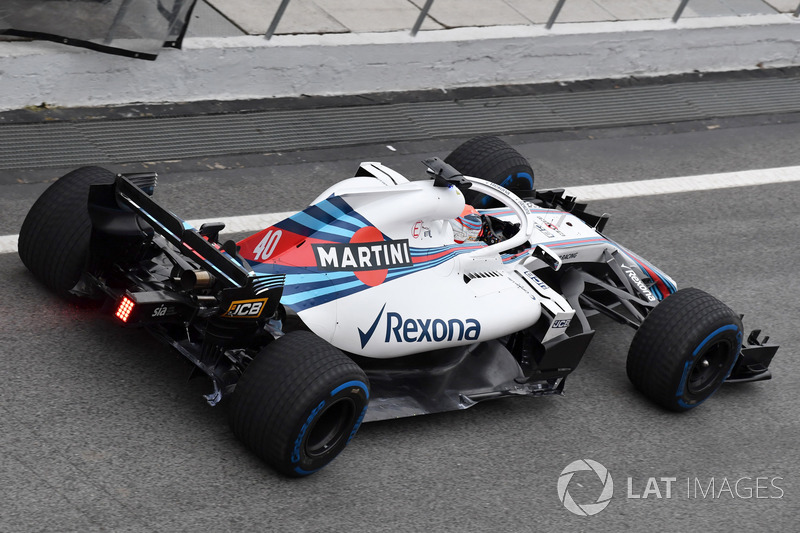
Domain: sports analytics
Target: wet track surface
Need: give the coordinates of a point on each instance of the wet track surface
(103, 432)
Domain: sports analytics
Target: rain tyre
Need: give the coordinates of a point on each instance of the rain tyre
(54, 241)
(492, 159)
(299, 403)
(684, 350)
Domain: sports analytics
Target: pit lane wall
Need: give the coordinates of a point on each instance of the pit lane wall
(339, 64)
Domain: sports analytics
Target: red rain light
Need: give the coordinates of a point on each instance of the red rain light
(124, 309)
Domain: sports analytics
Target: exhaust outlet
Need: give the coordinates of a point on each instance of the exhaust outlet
(196, 279)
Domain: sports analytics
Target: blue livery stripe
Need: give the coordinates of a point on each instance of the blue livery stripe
(338, 214)
(321, 295)
(317, 225)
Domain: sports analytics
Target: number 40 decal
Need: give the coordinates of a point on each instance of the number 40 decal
(267, 246)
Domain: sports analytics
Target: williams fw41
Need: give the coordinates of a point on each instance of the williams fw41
(383, 298)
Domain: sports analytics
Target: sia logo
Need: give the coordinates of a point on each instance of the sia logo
(367, 255)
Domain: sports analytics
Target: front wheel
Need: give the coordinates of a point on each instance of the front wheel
(299, 403)
(684, 350)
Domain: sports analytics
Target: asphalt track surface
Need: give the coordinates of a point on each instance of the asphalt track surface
(103, 432)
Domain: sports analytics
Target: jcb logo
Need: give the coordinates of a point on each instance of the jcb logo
(246, 308)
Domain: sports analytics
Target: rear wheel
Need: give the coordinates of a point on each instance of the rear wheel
(299, 403)
(55, 237)
(492, 159)
(684, 350)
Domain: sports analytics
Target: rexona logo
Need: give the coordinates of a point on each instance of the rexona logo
(402, 329)
(367, 254)
(246, 308)
(636, 281)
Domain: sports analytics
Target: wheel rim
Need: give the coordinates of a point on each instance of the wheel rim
(708, 367)
(331, 428)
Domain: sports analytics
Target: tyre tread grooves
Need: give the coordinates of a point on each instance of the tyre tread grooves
(659, 347)
(278, 385)
(54, 238)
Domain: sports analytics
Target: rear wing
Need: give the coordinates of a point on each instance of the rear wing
(180, 233)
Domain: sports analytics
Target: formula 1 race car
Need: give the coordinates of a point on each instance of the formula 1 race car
(383, 298)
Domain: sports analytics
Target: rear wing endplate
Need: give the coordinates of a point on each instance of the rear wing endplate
(181, 234)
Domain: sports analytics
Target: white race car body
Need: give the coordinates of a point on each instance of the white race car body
(384, 298)
(373, 267)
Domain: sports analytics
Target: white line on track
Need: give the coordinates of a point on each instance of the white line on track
(704, 182)
(587, 193)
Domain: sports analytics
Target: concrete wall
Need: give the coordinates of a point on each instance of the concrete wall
(252, 67)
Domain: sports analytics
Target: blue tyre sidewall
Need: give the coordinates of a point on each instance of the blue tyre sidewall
(356, 394)
(729, 333)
